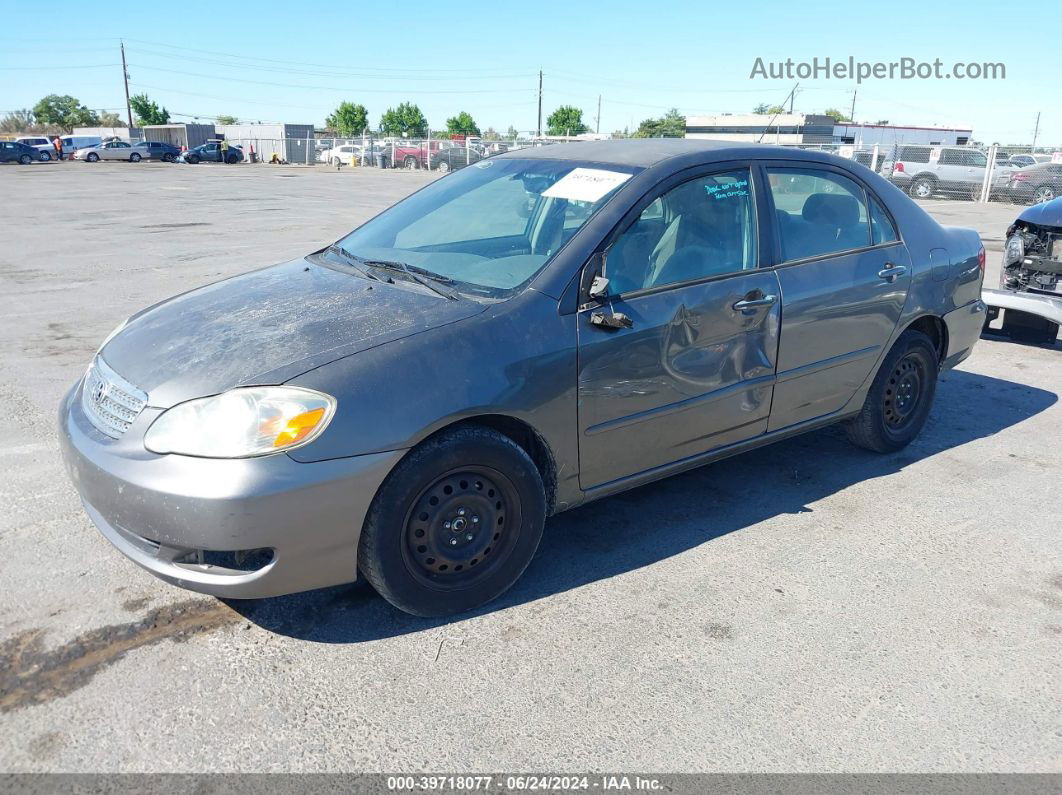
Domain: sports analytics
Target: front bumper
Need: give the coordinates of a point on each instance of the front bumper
(295, 526)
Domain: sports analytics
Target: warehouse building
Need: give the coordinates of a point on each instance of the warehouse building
(808, 128)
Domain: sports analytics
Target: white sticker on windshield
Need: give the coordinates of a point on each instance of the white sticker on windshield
(586, 184)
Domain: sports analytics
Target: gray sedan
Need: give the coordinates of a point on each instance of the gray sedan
(539, 330)
(111, 150)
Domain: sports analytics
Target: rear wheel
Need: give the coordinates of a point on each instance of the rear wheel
(168, 157)
(232, 159)
(25, 160)
(45, 157)
(92, 157)
(1044, 193)
(134, 158)
(923, 188)
(899, 400)
(410, 162)
(442, 166)
(454, 525)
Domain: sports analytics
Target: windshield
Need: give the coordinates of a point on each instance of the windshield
(492, 226)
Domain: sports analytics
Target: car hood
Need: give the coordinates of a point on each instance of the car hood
(1046, 214)
(266, 327)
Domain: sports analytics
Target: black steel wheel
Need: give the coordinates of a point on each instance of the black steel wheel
(899, 400)
(455, 524)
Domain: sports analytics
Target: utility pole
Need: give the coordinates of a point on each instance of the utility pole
(851, 116)
(792, 96)
(597, 127)
(125, 76)
(539, 133)
(1036, 130)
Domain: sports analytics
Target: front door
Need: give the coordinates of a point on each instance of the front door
(844, 278)
(695, 368)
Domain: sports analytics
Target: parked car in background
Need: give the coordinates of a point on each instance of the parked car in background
(40, 143)
(16, 152)
(110, 150)
(1021, 161)
(347, 154)
(1030, 185)
(1030, 283)
(412, 401)
(925, 171)
(454, 158)
(208, 153)
(408, 155)
(157, 150)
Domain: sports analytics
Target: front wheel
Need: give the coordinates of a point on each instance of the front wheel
(168, 158)
(232, 159)
(193, 159)
(134, 158)
(411, 163)
(455, 524)
(923, 188)
(92, 157)
(1044, 193)
(442, 166)
(898, 403)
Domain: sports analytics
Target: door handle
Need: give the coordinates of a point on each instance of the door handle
(890, 272)
(747, 305)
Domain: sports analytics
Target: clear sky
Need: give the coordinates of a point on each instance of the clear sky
(294, 62)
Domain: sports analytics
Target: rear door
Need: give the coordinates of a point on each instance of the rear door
(694, 369)
(844, 274)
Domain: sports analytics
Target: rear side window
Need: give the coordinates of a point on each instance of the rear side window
(817, 212)
(913, 154)
(881, 226)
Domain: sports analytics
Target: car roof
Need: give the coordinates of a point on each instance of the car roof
(647, 152)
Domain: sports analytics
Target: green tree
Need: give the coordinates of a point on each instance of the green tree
(566, 120)
(148, 112)
(671, 125)
(106, 118)
(348, 119)
(512, 132)
(835, 114)
(63, 111)
(225, 119)
(406, 118)
(768, 110)
(462, 124)
(17, 121)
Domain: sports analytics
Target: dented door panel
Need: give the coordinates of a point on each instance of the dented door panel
(692, 374)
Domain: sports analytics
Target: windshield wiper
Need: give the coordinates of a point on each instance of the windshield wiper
(355, 262)
(421, 276)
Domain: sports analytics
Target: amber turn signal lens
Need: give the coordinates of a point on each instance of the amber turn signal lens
(298, 427)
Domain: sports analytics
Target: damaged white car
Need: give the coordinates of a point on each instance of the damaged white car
(1030, 284)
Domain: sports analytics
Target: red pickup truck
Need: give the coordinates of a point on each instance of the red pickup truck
(415, 155)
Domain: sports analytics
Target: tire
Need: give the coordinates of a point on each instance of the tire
(1044, 193)
(193, 159)
(134, 158)
(25, 160)
(231, 159)
(923, 188)
(411, 163)
(92, 157)
(168, 157)
(899, 400)
(45, 157)
(334, 161)
(412, 550)
(442, 166)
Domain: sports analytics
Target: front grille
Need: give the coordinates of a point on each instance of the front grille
(110, 402)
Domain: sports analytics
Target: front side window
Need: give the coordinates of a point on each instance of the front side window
(701, 228)
(818, 212)
(493, 226)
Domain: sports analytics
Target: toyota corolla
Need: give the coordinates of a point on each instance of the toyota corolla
(540, 329)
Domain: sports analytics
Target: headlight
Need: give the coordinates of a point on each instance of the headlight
(1014, 250)
(242, 422)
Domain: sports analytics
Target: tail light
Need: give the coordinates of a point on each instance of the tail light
(981, 261)
(898, 168)
(1018, 176)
